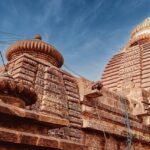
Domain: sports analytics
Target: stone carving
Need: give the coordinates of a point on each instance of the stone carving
(19, 94)
(98, 85)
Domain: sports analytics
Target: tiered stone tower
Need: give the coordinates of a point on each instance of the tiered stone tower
(132, 62)
(129, 70)
(36, 64)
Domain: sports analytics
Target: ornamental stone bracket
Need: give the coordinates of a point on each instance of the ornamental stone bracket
(94, 90)
(89, 90)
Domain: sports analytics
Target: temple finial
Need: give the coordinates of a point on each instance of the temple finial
(38, 37)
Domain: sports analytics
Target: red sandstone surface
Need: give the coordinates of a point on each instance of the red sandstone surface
(43, 107)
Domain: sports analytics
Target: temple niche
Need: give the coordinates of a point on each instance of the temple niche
(43, 107)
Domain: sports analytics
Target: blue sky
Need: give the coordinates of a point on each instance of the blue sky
(86, 32)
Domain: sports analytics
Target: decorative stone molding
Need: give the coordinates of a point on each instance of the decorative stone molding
(144, 25)
(141, 37)
(16, 93)
(140, 32)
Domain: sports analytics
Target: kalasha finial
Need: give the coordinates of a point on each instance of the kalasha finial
(38, 37)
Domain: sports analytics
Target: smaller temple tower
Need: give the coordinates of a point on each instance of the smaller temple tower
(37, 64)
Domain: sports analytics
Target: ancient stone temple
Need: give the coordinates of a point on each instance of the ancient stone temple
(43, 107)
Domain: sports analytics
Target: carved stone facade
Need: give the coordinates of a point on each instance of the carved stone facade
(43, 107)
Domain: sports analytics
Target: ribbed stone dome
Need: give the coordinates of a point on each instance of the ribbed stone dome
(140, 32)
(37, 48)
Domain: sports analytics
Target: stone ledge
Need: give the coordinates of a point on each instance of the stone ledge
(116, 119)
(144, 114)
(109, 109)
(51, 121)
(17, 137)
(93, 94)
(114, 129)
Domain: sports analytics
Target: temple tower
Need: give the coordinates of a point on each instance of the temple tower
(37, 64)
(132, 62)
(129, 70)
